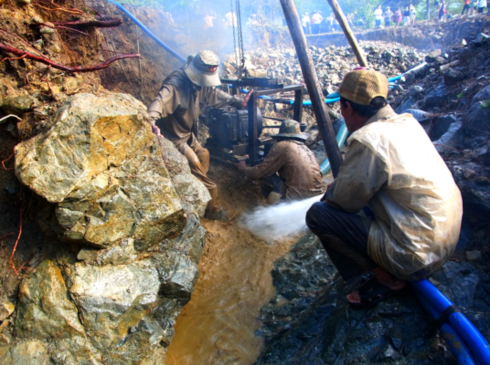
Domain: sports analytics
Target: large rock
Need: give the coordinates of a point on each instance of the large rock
(190, 189)
(476, 122)
(101, 163)
(44, 308)
(26, 353)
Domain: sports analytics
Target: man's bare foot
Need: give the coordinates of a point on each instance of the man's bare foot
(378, 288)
(354, 297)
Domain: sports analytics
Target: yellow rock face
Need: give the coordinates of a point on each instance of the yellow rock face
(100, 164)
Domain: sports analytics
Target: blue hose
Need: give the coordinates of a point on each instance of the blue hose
(341, 137)
(147, 31)
(456, 344)
(476, 343)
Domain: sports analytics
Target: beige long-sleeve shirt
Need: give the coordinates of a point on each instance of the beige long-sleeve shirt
(392, 167)
(179, 103)
(295, 164)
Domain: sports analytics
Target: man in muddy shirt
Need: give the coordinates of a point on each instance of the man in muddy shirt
(290, 168)
(176, 109)
(394, 208)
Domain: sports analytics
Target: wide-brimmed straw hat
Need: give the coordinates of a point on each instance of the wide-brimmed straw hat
(290, 129)
(362, 86)
(203, 69)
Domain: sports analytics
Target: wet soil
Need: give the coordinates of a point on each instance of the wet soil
(218, 325)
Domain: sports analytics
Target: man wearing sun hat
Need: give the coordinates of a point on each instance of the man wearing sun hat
(176, 109)
(290, 169)
(394, 208)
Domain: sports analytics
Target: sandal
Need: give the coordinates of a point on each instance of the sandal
(371, 293)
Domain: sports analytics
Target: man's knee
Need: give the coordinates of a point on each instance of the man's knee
(315, 211)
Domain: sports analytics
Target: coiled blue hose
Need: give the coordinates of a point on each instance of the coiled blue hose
(476, 343)
(456, 344)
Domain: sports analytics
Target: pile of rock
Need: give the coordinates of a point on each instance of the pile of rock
(331, 63)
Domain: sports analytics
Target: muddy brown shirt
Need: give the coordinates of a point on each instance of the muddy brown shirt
(296, 165)
(179, 103)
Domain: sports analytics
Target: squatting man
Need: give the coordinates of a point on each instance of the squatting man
(394, 208)
(177, 107)
(290, 170)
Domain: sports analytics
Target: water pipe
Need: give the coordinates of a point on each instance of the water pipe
(456, 344)
(478, 346)
(149, 32)
(341, 137)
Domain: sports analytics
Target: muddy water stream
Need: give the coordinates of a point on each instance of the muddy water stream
(218, 325)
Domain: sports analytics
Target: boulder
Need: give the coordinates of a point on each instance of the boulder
(452, 76)
(477, 120)
(44, 310)
(441, 125)
(26, 353)
(436, 97)
(101, 164)
(18, 104)
(431, 57)
(483, 94)
(192, 192)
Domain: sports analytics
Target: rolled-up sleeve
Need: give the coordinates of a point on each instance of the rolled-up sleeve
(361, 175)
(165, 103)
(217, 98)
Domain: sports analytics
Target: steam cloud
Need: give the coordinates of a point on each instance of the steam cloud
(279, 221)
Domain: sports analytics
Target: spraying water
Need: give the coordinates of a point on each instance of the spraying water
(279, 221)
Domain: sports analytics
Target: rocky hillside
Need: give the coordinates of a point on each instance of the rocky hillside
(99, 225)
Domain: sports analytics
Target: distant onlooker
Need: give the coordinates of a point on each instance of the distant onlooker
(413, 14)
(473, 6)
(305, 22)
(316, 19)
(388, 16)
(482, 4)
(330, 22)
(466, 7)
(208, 21)
(350, 18)
(398, 17)
(442, 10)
(378, 16)
(406, 16)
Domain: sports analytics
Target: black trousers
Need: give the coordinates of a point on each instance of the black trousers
(344, 236)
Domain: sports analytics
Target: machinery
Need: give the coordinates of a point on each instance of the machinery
(236, 136)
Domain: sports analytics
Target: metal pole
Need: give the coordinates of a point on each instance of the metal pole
(311, 80)
(348, 32)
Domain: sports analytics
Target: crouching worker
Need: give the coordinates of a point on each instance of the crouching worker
(393, 174)
(175, 111)
(290, 169)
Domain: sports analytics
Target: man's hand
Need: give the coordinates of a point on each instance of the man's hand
(241, 166)
(155, 130)
(247, 98)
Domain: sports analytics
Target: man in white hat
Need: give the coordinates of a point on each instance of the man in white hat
(411, 207)
(176, 109)
(290, 169)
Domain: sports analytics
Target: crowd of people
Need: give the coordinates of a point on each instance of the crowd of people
(406, 16)
(473, 6)
(318, 24)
